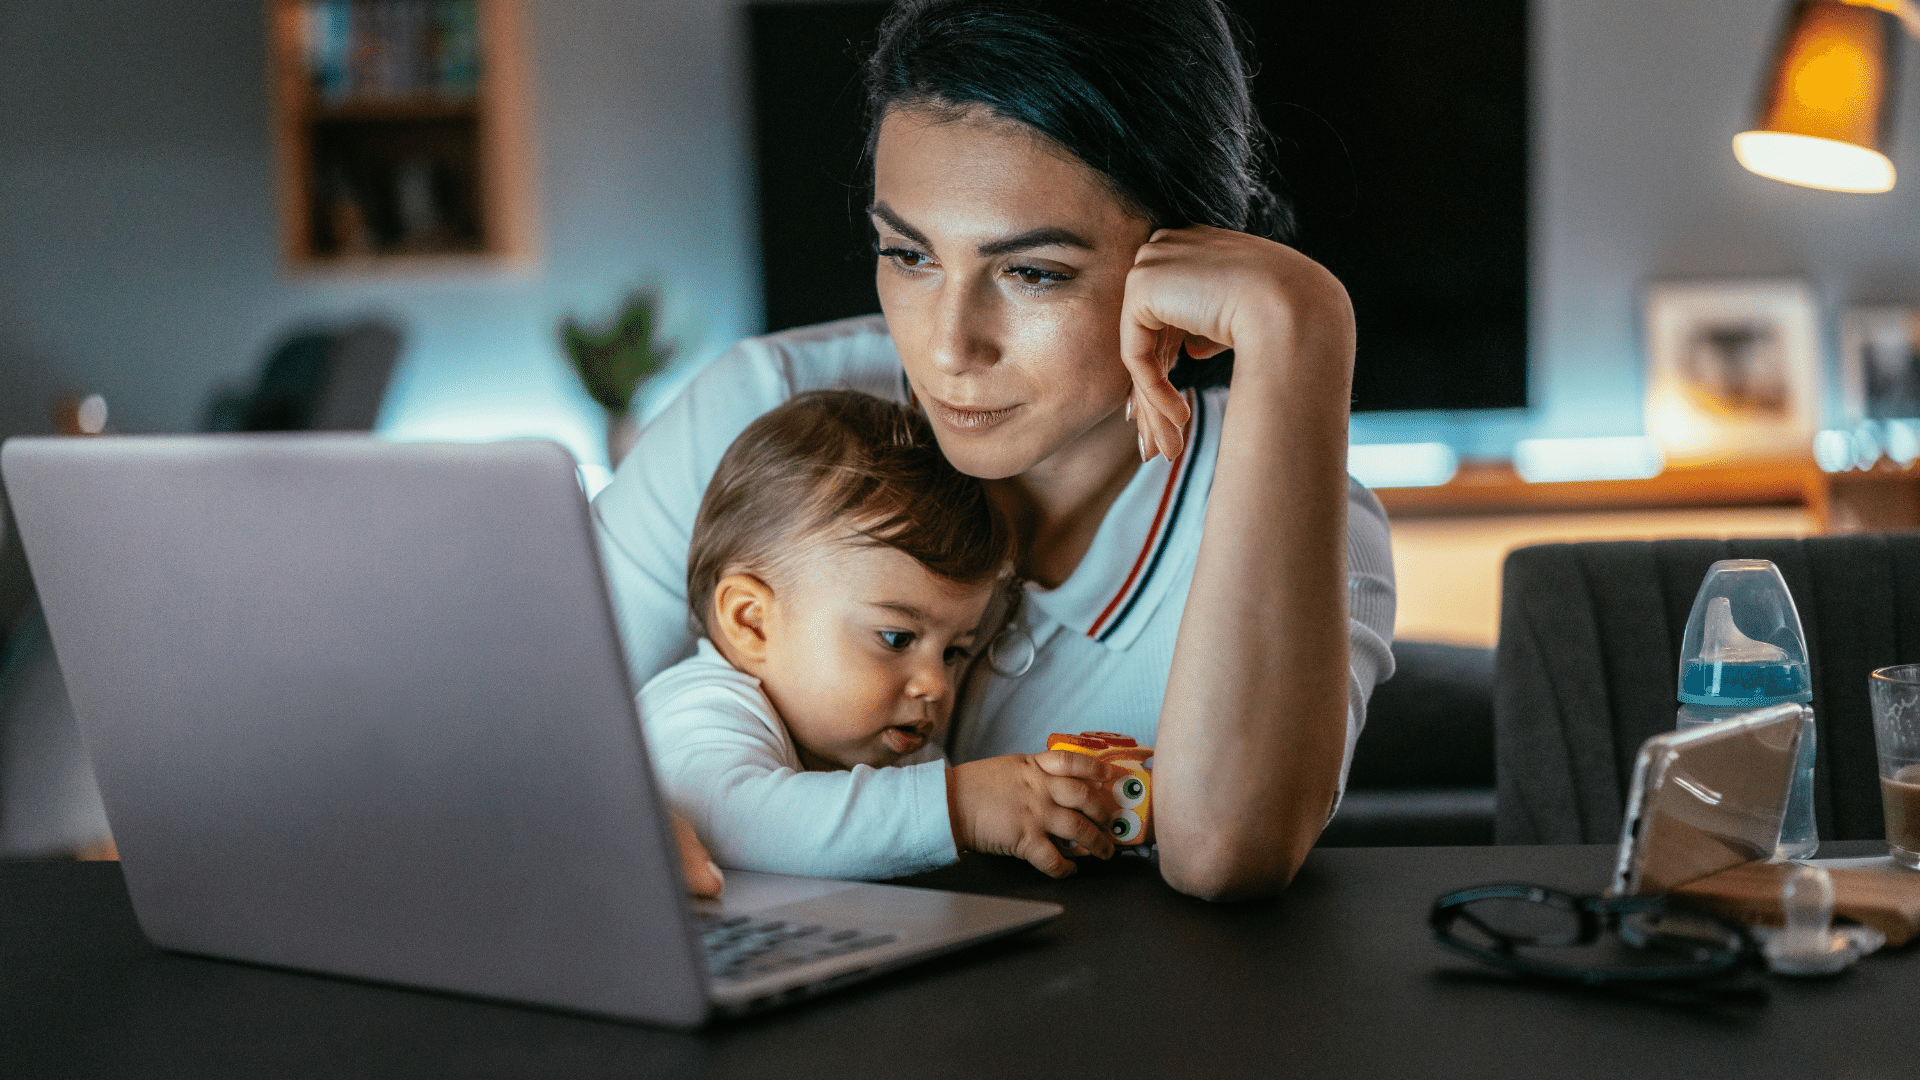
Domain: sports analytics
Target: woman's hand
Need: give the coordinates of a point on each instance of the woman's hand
(1254, 724)
(1210, 290)
(1017, 804)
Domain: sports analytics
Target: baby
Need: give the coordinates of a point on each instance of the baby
(840, 569)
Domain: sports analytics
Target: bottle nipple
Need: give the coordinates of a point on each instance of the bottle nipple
(1723, 643)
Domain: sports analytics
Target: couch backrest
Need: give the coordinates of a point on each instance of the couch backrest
(1589, 655)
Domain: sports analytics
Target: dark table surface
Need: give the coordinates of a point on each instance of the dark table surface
(1339, 977)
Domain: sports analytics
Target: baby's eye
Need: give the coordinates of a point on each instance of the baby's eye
(896, 639)
(958, 654)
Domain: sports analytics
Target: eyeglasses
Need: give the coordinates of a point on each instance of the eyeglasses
(1561, 935)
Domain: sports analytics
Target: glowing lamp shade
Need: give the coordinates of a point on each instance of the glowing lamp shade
(1814, 162)
(1826, 108)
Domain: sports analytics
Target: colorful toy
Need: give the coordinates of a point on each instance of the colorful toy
(1134, 791)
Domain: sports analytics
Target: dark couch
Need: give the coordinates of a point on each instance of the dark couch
(1423, 769)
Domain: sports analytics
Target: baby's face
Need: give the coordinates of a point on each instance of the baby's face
(864, 646)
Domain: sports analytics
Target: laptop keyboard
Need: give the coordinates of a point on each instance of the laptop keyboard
(741, 947)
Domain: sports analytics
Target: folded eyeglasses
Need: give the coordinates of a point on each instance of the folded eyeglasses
(1594, 940)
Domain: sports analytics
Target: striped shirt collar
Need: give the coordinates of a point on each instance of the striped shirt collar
(1138, 552)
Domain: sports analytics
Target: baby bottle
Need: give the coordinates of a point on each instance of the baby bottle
(1743, 650)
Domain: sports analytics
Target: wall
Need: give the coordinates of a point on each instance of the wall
(137, 249)
(137, 254)
(1636, 103)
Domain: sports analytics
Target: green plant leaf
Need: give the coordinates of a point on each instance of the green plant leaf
(616, 360)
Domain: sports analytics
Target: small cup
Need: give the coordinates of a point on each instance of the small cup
(1896, 731)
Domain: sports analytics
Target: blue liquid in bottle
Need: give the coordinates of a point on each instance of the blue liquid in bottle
(1751, 684)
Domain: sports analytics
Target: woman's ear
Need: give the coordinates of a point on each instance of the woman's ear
(742, 604)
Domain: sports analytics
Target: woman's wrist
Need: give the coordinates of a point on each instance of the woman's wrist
(1301, 342)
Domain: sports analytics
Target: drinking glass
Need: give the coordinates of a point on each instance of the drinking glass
(1896, 731)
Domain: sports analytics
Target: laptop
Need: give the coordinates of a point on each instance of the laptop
(360, 708)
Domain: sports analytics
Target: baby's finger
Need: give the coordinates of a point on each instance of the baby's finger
(1073, 826)
(1095, 800)
(1045, 856)
(1083, 766)
(704, 879)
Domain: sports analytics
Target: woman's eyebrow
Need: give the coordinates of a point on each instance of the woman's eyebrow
(1045, 236)
(898, 224)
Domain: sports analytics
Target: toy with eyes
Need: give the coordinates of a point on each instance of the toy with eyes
(1134, 791)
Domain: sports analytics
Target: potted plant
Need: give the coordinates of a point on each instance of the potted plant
(615, 360)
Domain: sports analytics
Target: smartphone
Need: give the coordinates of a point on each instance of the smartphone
(1707, 799)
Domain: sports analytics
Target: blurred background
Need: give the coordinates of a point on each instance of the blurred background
(141, 255)
(188, 188)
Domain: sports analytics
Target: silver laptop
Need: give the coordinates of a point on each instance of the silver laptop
(360, 707)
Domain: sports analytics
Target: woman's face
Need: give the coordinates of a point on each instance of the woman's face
(1003, 262)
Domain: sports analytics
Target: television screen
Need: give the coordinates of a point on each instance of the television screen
(1399, 134)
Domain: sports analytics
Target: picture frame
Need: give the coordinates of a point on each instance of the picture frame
(1880, 363)
(1733, 370)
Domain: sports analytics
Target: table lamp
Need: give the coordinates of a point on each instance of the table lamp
(1825, 113)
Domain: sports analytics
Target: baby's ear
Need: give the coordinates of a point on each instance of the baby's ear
(741, 604)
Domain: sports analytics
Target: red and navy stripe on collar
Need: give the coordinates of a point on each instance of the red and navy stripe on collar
(1173, 497)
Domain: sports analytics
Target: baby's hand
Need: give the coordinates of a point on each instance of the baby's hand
(704, 880)
(1018, 803)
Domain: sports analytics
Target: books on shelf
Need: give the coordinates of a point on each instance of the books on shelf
(375, 50)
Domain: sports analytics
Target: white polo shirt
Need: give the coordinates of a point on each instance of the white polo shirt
(1102, 643)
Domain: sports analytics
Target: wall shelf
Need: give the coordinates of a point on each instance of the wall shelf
(420, 108)
(1884, 498)
(401, 135)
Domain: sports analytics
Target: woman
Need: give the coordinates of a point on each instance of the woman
(1072, 229)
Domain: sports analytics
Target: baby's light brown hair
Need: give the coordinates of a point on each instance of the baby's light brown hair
(841, 464)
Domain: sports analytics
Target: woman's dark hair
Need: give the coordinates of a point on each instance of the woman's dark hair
(844, 466)
(1151, 94)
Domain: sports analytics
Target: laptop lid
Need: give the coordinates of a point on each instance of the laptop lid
(359, 707)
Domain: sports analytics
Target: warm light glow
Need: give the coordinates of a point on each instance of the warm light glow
(1682, 434)
(1839, 77)
(1816, 163)
(1825, 113)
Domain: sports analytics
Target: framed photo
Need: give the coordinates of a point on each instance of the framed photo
(1733, 370)
(1880, 363)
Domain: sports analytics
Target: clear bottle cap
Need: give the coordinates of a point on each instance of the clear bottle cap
(1744, 645)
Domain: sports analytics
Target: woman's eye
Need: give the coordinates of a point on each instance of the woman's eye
(1033, 275)
(958, 654)
(905, 258)
(896, 639)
